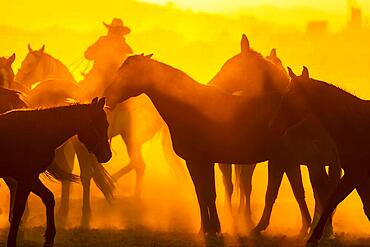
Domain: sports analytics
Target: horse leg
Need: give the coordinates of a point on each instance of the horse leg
(275, 176)
(364, 193)
(23, 191)
(202, 175)
(210, 185)
(136, 163)
(140, 170)
(226, 170)
(294, 175)
(322, 189)
(47, 198)
(245, 181)
(12, 185)
(84, 160)
(64, 158)
(345, 186)
(86, 182)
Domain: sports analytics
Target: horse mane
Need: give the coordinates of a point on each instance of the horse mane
(340, 98)
(48, 108)
(335, 89)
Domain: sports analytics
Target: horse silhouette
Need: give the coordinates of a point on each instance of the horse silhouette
(7, 74)
(29, 139)
(39, 65)
(9, 100)
(249, 73)
(54, 92)
(214, 126)
(243, 173)
(346, 118)
(206, 124)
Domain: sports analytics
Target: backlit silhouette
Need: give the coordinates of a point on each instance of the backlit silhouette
(28, 149)
(7, 74)
(213, 126)
(249, 73)
(40, 91)
(107, 54)
(39, 65)
(346, 118)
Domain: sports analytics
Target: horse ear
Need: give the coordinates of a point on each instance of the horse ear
(273, 53)
(101, 103)
(150, 55)
(42, 48)
(29, 48)
(305, 72)
(11, 59)
(95, 100)
(244, 44)
(291, 73)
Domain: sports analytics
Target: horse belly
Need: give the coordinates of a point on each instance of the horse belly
(225, 147)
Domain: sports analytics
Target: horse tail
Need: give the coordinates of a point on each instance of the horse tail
(173, 160)
(238, 178)
(54, 172)
(103, 180)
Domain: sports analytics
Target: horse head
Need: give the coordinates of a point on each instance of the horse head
(94, 133)
(248, 71)
(130, 79)
(293, 107)
(32, 67)
(6, 71)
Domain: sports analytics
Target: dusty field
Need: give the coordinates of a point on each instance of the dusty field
(130, 223)
(145, 237)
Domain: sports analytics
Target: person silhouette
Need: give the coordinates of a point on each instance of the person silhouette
(107, 54)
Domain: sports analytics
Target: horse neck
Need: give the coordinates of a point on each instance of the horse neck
(338, 111)
(167, 86)
(59, 124)
(53, 68)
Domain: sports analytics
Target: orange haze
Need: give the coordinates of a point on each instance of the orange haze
(198, 43)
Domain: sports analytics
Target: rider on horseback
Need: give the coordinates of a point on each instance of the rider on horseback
(107, 53)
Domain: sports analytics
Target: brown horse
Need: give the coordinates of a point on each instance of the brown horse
(7, 74)
(29, 139)
(248, 72)
(38, 65)
(213, 126)
(206, 124)
(347, 119)
(243, 173)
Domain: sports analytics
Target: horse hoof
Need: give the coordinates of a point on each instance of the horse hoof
(302, 233)
(48, 244)
(312, 243)
(255, 232)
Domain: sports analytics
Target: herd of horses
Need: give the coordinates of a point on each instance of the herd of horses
(253, 110)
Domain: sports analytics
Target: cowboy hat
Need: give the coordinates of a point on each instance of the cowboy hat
(117, 25)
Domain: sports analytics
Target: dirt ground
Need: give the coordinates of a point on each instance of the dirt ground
(130, 223)
(144, 237)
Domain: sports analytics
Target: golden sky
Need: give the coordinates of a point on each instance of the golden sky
(220, 5)
(80, 14)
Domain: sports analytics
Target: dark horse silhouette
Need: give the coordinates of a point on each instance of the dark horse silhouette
(28, 142)
(207, 124)
(214, 126)
(39, 91)
(347, 120)
(250, 73)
